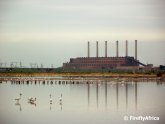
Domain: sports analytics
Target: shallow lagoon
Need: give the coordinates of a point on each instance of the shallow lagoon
(98, 101)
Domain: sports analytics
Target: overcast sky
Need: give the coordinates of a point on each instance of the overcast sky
(52, 31)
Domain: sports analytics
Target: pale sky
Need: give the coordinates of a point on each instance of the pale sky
(52, 31)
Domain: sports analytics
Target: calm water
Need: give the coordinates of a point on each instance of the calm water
(99, 102)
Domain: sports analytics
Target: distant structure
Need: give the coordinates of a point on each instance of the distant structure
(104, 62)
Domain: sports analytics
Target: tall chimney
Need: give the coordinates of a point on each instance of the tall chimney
(97, 49)
(136, 49)
(88, 52)
(126, 48)
(117, 49)
(105, 48)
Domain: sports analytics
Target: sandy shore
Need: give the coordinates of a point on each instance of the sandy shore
(80, 75)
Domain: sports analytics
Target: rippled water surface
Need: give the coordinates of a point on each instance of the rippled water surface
(99, 101)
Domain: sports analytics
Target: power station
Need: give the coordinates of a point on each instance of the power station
(104, 62)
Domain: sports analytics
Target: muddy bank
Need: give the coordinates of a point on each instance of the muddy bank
(81, 75)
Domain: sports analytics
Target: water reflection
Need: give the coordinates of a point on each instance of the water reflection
(98, 84)
(32, 103)
(60, 105)
(117, 94)
(60, 101)
(97, 94)
(117, 85)
(93, 99)
(50, 107)
(126, 92)
(136, 95)
(19, 105)
(88, 93)
(106, 94)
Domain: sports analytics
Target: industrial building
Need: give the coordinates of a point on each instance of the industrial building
(104, 62)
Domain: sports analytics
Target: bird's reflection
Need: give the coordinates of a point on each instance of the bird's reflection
(60, 101)
(121, 88)
(32, 103)
(50, 107)
(18, 104)
(60, 105)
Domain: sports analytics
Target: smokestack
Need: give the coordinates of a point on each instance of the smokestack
(136, 49)
(126, 50)
(97, 49)
(105, 48)
(117, 49)
(88, 49)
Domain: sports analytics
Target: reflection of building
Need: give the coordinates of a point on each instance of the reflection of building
(104, 62)
(117, 95)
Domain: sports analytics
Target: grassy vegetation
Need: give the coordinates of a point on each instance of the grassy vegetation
(79, 72)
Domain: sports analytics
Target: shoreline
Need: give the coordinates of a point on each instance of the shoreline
(50, 74)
